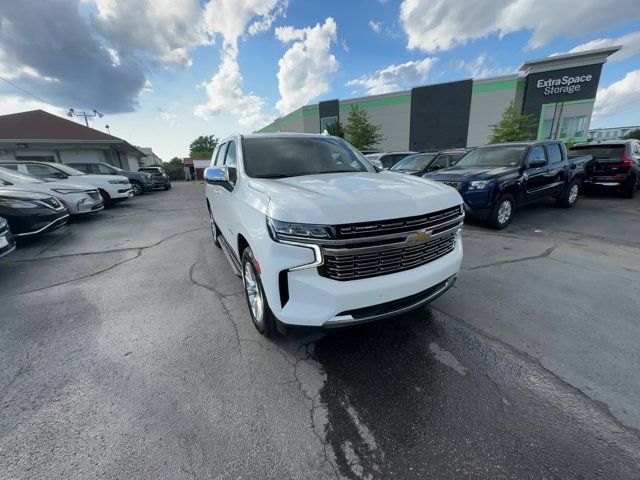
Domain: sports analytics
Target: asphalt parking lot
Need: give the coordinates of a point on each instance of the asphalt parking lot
(128, 352)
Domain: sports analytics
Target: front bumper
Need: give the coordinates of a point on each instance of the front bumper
(316, 301)
(121, 192)
(83, 203)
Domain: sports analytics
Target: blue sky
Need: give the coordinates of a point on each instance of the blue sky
(166, 71)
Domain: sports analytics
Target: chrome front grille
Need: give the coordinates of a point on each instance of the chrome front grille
(52, 202)
(345, 266)
(372, 249)
(408, 224)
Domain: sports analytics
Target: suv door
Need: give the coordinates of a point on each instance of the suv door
(214, 192)
(535, 179)
(558, 174)
(225, 202)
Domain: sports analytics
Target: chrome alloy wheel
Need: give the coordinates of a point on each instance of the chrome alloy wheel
(573, 193)
(504, 212)
(137, 188)
(254, 294)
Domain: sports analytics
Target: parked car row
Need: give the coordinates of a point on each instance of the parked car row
(494, 180)
(37, 197)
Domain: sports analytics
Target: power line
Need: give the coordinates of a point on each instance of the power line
(23, 90)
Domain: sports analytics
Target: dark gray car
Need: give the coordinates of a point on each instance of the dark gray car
(140, 181)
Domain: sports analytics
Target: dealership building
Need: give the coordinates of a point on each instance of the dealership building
(558, 92)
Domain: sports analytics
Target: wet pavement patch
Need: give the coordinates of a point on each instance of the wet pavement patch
(425, 396)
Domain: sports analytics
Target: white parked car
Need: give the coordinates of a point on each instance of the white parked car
(112, 188)
(321, 238)
(79, 199)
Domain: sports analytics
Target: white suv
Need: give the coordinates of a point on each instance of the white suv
(323, 239)
(112, 188)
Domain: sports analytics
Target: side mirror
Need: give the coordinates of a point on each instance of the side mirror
(434, 167)
(216, 176)
(536, 163)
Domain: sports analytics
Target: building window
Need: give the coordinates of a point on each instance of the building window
(573, 127)
(546, 128)
(326, 121)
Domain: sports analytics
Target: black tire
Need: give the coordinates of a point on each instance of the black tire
(167, 187)
(629, 190)
(266, 325)
(215, 231)
(106, 199)
(570, 195)
(497, 218)
(137, 187)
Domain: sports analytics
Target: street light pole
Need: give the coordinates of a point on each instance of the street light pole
(73, 113)
(108, 128)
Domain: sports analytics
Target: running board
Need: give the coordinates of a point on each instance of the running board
(231, 257)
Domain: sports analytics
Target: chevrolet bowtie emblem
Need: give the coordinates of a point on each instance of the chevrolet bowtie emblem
(419, 237)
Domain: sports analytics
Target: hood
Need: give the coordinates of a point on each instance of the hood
(47, 187)
(337, 198)
(407, 171)
(460, 174)
(97, 178)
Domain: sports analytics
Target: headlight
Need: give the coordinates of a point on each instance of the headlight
(478, 184)
(66, 191)
(280, 229)
(15, 203)
(3, 224)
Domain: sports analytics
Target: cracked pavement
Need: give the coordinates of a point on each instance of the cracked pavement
(128, 352)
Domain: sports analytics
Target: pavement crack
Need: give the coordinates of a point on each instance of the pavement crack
(544, 254)
(222, 299)
(138, 250)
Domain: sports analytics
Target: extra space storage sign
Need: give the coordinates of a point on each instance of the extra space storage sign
(565, 84)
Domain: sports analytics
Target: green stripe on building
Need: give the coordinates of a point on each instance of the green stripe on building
(495, 86)
(376, 102)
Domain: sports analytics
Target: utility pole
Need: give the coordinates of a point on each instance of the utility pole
(73, 113)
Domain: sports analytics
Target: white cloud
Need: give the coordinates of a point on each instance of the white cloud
(478, 68)
(231, 19)
(375, 26)
(113, 54)
(225, 94)
(630, 46)
(395, 77)
(306, 68)
(15, 104)
(619, 97)
(444, 24)
(165, 29)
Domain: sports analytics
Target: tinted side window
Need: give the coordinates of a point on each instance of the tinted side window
(83, 167)
(104, 170)
(443, 161)
(41, 170)
(387, 161)
(555, 154)
(12, 167)
(537, 153)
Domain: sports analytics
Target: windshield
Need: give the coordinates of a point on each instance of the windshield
(414, 162)
(277, 157)
(12, 177)
(498, 156)
(68, 170)
(112, 168)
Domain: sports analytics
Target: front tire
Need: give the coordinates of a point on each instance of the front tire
(570, 196)
(502, 212)
(106, 199)
(137, 188)
(629, 191)
(261, 315)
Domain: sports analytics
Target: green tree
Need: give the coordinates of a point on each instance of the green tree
(634, 135)
(203, 146)
(569, 142)
(512, 127)
(360, 132)
(174, 168)
(335, 129)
